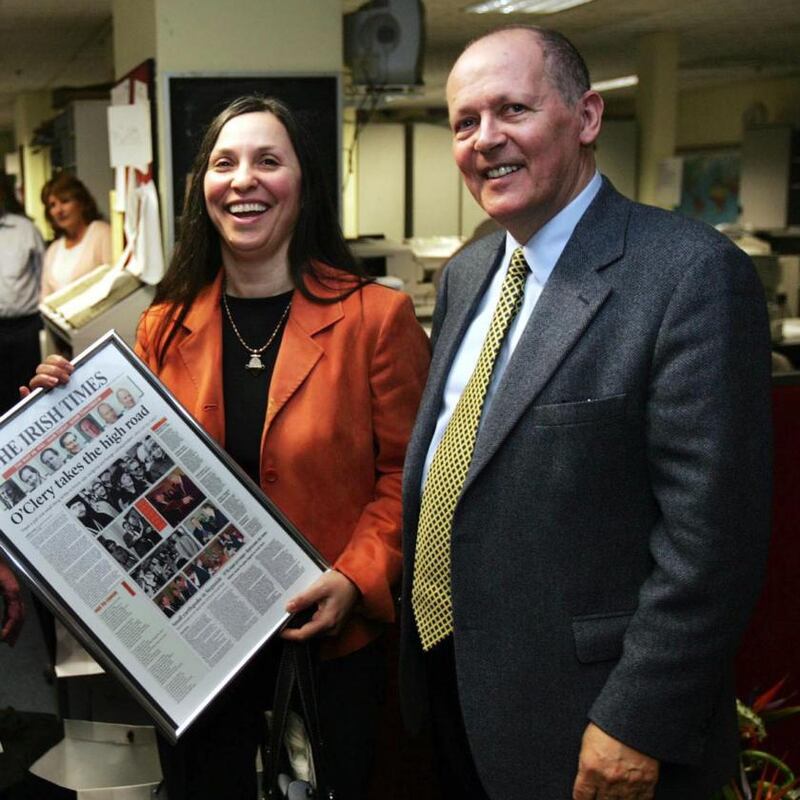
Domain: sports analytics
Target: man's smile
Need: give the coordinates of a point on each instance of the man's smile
(499, 172)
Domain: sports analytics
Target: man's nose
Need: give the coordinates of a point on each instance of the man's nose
(490, 135)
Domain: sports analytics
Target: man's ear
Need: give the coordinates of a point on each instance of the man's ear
(591, 110)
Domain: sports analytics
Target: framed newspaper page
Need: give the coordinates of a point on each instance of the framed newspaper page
(148, 542)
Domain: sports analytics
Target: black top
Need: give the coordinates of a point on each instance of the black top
(245, 392)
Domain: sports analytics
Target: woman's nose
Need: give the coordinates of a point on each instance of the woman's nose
(243, 176)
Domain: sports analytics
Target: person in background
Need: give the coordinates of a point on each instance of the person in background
(107, 413)
(98, 498)
(91, 519)
(10, 494)
(30, 476)
(21, 250)
(125, 398)
(309, 375)
(70, 444)
(124, 557)
(185, 545)
(52, 459)
(89, 428)
(156, 462)
(83, 239)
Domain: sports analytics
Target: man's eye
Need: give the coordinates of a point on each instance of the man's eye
(515, 108)
(463, 125)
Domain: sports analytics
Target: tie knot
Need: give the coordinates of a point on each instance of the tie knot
(518, 262)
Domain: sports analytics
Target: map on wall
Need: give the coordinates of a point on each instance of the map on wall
(711, 186)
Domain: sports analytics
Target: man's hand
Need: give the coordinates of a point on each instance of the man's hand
(14, 613)
(610, 770)
(334, 596)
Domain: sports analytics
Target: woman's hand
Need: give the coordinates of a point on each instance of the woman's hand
(334, 596)
(54, 370)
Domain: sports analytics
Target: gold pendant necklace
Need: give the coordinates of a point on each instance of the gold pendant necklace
(254, 364)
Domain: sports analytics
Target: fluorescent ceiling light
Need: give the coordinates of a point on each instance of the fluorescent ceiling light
(615, 83)
(523, 6)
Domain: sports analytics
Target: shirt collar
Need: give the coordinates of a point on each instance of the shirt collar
(544, 248)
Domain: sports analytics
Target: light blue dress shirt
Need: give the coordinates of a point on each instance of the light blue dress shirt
(542, 251)
(21, 253)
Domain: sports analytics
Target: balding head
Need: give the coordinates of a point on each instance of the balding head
(564, 66)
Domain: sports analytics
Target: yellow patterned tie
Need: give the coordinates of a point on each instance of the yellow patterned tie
(430, 592)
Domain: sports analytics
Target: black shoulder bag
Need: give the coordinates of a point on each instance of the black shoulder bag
(295, 671)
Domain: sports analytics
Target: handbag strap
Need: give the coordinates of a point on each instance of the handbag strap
(297, 668)
(272, 746)
(307, 689)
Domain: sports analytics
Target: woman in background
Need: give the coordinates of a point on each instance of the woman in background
(83, 239)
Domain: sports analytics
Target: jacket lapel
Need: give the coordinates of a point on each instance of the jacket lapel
(201, 354)
(299, 352)
(572, 296)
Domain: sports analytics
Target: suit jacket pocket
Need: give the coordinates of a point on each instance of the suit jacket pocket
(591, 410)
(598, 637)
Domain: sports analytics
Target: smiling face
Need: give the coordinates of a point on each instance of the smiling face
(79, 507)
(107, 413)
(69, 441)
(125, 398)
(524, 153)
(252, 188)
(51, 459)
(30, 477)
(88, 428)
(68, 214)
(134, 467)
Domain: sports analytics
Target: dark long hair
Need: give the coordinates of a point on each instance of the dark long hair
(197, 257)
(66, 186)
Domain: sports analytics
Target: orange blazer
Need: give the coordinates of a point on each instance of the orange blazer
(341, 406)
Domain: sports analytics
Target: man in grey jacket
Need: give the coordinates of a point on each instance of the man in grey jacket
(587, 489)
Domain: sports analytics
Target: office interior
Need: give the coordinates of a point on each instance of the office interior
(705, 119)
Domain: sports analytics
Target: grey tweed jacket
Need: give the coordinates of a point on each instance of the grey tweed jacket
(610, 538)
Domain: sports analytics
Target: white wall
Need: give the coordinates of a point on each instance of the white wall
(712, 116)
(258, 35)
(616, 154)
(382, 181)
(436, 192)
(134, 34)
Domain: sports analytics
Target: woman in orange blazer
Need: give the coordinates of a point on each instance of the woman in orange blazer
(310, 377)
